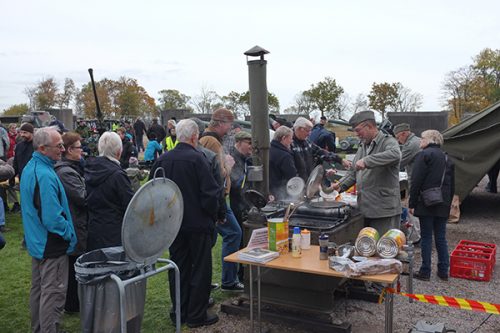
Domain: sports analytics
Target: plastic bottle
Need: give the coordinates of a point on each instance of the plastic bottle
(323, 246)
(296, 250)
(305, 239)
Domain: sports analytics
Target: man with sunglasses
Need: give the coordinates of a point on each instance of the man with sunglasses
(375, 172)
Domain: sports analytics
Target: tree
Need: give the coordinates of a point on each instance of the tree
(206, 101)
(173, 99)
(360, 103)
(16, 110)
(406, 100)
(487, 65)
(325, 96)
(132, 99)
(64, 99)
(383, 97)
(272, 102)
(237, 102)
(43, 95)
(303, 104)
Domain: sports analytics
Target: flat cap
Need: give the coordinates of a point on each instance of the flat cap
(242, 135)
(223, 115)
(401, 127)
(360, 117)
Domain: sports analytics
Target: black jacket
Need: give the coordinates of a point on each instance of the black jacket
(427, 172)
(23, 153)
(307, 155)
(281, 169)
(159, 132)
(71, 175)
(127, 152)
(108, 194)
(239, 185)
(190, 170)
(139, 128)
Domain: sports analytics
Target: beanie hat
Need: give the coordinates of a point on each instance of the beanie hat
(27, 127)
(133, 161)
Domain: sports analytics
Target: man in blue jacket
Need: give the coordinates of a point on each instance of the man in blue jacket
(48, 230)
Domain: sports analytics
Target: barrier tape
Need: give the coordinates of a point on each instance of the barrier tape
(460, 303)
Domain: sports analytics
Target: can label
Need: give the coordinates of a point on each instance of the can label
(277, 231)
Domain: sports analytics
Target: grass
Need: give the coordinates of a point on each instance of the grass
(15, 283)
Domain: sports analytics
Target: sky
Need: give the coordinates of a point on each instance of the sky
(193, 45)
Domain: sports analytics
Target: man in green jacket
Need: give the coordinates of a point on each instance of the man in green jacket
(375, 171)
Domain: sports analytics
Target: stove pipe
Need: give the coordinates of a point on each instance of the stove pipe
(259, 116)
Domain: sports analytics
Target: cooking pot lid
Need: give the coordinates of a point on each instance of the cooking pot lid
(314, 181)
(256, 198)
(152, 220)
(295, 186)
(320, 203)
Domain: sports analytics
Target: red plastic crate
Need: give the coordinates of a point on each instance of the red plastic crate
(476, 246)
(472, 264)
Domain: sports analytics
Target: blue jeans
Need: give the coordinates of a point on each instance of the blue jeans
(2, 212)
(231, 238)
(428, 226)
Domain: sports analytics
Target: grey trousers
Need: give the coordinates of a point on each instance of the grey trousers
(384, 224)
(49, 281)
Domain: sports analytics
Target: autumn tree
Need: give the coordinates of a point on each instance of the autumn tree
(43, 95)
(173, 99)
(303, 104)
(207, 101)
(64, 98)
(406, 100)
(325, 95)
(237, 102)
(383, 97)
(360, 103)
(487, 66)
(16, 110)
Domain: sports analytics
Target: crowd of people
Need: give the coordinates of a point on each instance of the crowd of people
(86, 194)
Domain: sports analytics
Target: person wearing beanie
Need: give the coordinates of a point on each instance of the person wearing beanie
(135, 174)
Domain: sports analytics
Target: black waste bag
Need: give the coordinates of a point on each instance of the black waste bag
(99, 295)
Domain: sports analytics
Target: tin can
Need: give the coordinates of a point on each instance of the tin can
(391, 243)
(366, 243)
(277, 231)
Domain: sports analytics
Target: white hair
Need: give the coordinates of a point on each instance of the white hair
(185, 129)
(302, 122)
(43, 136)
(110, 144)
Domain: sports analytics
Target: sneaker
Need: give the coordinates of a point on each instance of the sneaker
(421, 276)
(238, 287)
(214, 286)
(210, 319)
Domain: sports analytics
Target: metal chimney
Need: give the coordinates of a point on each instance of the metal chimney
(259, 115)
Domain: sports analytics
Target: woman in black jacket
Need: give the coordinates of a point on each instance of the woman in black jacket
(428, 169)
(70, 172)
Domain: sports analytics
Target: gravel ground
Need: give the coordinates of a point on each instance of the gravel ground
(480, 221)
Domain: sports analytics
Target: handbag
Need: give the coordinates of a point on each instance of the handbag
(434, 196)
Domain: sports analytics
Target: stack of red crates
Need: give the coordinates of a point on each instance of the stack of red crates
(473, 260)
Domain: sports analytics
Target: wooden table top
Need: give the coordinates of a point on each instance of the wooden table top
(309, 262)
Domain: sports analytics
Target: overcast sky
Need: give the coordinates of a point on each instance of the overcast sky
(187, 45)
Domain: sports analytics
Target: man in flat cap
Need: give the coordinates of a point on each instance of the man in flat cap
(410, 146)
(375, 172)
(220, 124)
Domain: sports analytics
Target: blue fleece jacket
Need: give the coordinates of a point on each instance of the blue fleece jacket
(48, 228)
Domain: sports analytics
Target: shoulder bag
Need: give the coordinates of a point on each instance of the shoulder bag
(434, 196)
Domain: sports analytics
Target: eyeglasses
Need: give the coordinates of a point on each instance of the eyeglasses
(76, 147)
(59, 146)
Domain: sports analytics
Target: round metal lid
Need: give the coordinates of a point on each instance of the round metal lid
(256, 198)
(295, 186)
(152, 220)
(314, 181)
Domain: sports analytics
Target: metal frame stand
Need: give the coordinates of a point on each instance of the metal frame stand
(122, 284)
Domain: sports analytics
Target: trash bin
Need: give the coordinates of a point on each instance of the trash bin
(112, 281)
(99, 294)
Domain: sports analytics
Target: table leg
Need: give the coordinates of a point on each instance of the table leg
(389, 308)
(251, 297)
(258, 299)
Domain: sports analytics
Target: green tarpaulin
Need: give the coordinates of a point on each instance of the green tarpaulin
(474, 146)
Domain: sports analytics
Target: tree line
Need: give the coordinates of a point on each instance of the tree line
(467, 89)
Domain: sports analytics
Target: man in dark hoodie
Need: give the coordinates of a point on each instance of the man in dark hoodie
(108, 194)
(23, 153)
(128, 149)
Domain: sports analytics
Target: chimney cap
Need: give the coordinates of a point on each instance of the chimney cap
(256, 51)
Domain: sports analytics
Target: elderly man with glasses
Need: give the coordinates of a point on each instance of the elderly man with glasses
(49, 232)
(375, 172)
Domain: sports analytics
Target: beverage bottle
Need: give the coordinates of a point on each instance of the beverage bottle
(323, 246)
(296, 250)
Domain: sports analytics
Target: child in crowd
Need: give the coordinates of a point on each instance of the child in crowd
(135, 174)
(153, 149)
